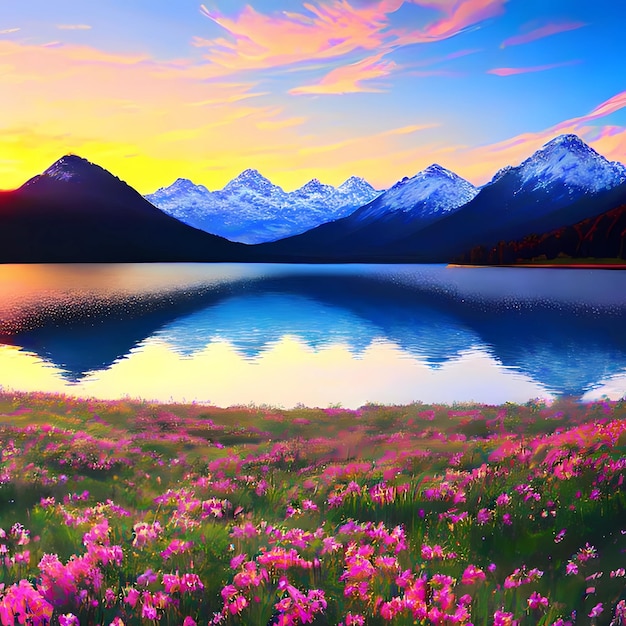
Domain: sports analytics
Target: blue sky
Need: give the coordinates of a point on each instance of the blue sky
(324, 88)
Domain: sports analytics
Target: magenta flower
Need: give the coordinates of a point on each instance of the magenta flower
(596, 610)
(483, 516)
(536, 600)
(571, 568)
(502, 618)
(503, 499)
(472, 574)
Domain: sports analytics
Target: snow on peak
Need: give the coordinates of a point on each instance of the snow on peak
(358, 185)
(431, 192)
(251, 209)
(250, 179)
(314, 186)
(68, 167)
(568, 160)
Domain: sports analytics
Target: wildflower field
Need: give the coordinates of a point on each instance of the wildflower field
(136, 513)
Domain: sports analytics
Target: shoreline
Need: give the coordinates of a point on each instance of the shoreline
(569, 266)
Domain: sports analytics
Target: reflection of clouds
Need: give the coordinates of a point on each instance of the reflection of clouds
(612, 387)
(288, 373)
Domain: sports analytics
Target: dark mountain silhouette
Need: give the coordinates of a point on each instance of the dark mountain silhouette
(78, 212)
(601, 237)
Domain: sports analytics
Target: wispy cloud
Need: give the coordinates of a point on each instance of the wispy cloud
(540, 32)
(513, 71)
(8, 31)
(459, 15)
(332, 30)
(73, 26)
(260, 41)
(367, 140)
(351, 78)
(480, 163)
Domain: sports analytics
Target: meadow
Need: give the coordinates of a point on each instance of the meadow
(129, 512)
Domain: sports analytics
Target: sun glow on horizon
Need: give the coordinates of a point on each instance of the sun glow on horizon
(321, 377)
(325, 90)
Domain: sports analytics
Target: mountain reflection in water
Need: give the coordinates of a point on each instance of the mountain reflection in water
(343, 334)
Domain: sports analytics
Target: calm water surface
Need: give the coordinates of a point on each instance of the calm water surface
(315, 335)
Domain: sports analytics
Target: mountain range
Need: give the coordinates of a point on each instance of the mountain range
(76, 211)
(562, 183)
(250, 209)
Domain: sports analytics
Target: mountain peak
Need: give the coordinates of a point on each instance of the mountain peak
(68, 167)
(251, 174)
(250, 179)
(356, 183)
(568, 160)
(568, 140)
(437, 170)
(315, 186)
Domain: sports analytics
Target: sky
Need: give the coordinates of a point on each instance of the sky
(161, 89)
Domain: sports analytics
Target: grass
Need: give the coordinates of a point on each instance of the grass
(136, 513)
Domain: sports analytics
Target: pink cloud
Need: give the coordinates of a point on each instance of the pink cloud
(541, 32)
(350, 78)
(326, 31)
(512, 71)
(459, 15)
(73, 26)
(331, 30)
(478, 164)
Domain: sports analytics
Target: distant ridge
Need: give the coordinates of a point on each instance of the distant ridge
(251, 209)
(76, 211)
(562, 183)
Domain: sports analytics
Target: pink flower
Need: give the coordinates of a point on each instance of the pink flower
(502, 618)
(132, 596)
(597, 609)
(236, 561)
(69, 619)
(536, 600)
(571, 568)
(503, 499)
(472, 574)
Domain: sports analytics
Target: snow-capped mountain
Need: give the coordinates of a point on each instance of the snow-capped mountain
(251, 209)
(562, 183)
(409, 206)
(566, 161)
(427, 195)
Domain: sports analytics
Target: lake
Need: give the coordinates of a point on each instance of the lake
(313, 335)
